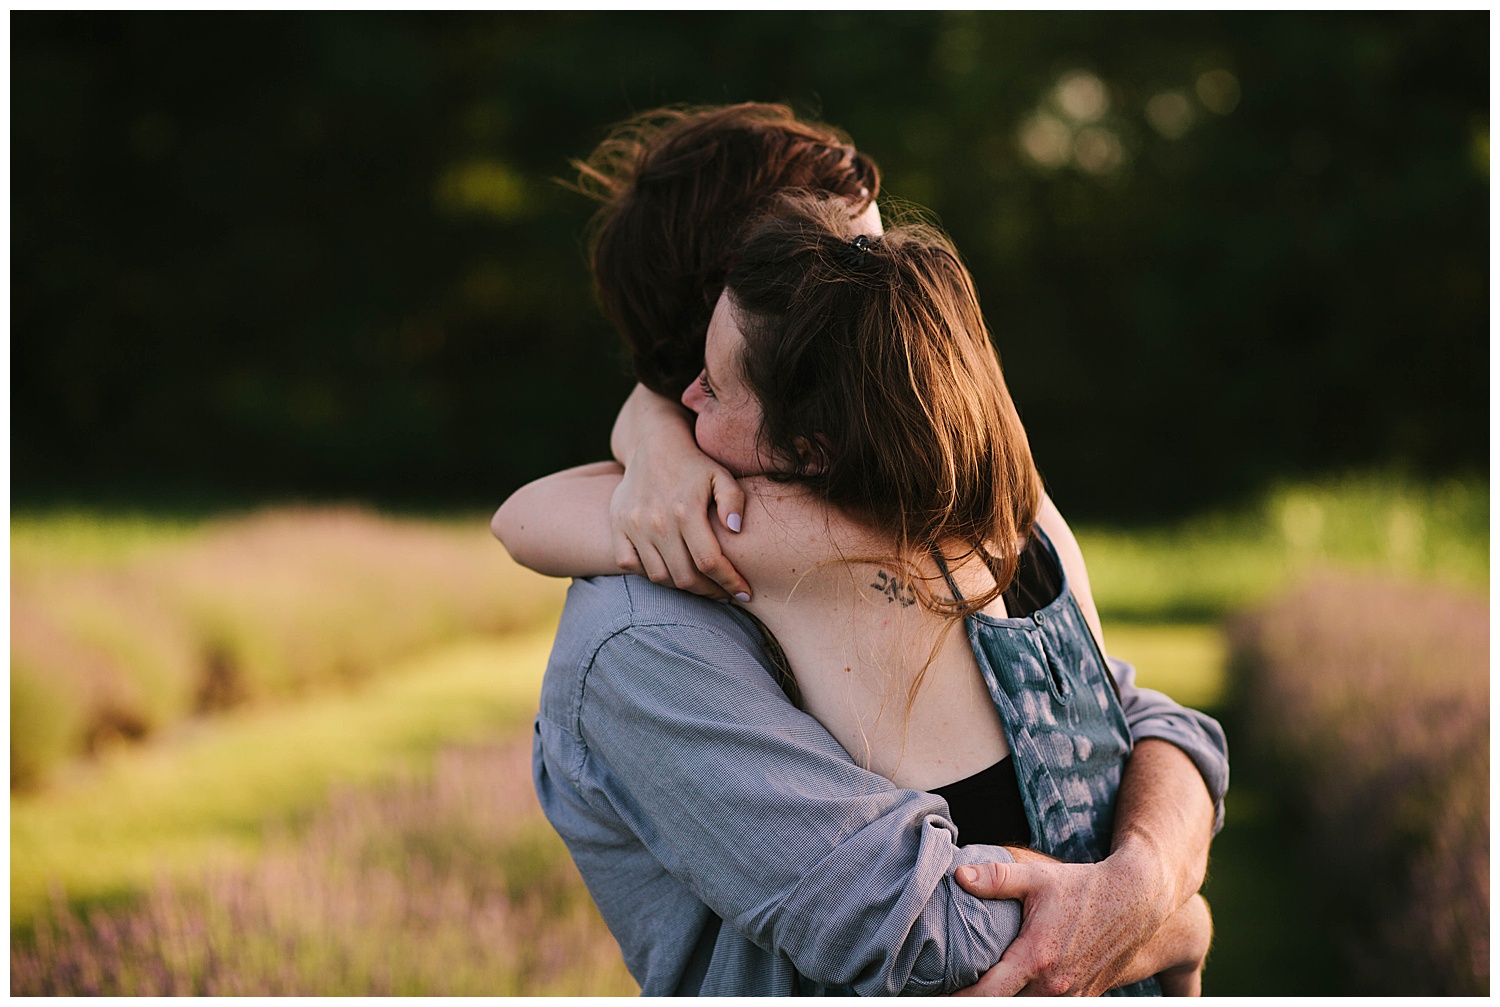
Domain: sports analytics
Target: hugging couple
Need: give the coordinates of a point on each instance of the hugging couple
(829, 710)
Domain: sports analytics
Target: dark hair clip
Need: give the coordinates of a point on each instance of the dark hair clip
(854, 252)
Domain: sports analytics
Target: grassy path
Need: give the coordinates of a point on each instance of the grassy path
(209, 789)
(208, 792)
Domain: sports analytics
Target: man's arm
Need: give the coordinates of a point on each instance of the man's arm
(1175, 952)
(1084, 924)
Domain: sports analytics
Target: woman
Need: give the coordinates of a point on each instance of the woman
(859, 377)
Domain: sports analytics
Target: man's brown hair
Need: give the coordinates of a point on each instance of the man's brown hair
(678, 185)
(879, 386)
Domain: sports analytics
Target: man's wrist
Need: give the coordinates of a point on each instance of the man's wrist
(1137, 864)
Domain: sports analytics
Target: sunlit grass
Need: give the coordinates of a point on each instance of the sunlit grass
(120, 629)
(71, 537)
(208, 789)
(1200, 569)
(1185, 661)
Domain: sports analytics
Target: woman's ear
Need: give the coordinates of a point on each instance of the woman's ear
(866, 221)
(812, 455)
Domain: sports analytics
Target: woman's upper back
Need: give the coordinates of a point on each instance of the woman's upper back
(894, 682)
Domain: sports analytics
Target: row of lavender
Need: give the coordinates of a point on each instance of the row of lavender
(447, 885)
(1371, 699)
(249, 608)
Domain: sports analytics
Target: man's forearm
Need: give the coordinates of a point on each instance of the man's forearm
(1176, 952)
(1164, 820)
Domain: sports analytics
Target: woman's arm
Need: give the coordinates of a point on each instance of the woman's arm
(654, 518)
(559, 524)
(659, 513)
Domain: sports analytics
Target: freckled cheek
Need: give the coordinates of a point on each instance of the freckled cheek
(703, 432)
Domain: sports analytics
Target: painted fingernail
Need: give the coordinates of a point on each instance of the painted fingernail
(742, 596)
(733, 522)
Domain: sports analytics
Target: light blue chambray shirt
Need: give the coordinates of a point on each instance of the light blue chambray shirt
(731, 844)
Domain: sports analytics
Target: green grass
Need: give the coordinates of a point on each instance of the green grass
(1273, 934)
(106, 829)
(71, 537)
(1186, 661)
(1201, 569)
(65, 538)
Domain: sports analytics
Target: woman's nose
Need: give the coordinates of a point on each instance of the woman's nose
(692, 396)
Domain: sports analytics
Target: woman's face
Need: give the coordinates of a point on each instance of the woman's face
(729, 416)
(728, 426)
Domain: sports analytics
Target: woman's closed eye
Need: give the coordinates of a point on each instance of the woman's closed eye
(704, 387)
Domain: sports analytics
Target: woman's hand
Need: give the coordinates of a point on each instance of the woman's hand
(659, 514)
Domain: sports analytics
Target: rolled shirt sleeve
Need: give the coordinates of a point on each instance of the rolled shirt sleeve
(1153, 714)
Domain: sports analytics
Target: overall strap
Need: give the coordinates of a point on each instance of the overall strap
(991, 564)
(958, 596)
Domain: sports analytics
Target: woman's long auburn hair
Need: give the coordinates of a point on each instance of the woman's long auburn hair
(881, 389)
(678, 186)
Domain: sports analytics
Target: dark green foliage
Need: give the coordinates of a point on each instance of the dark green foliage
(260, 253)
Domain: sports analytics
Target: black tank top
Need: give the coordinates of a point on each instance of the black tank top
(987, 806)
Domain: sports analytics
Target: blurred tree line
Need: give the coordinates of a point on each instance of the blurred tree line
(264, 253)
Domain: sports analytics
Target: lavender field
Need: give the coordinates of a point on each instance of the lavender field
(285, 753)
(116, 637)
(1369, 698)
(452, 885)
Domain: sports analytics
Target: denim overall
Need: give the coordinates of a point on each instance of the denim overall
(1062, 717)
(1068, 736)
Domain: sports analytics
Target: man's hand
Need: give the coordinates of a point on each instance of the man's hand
(1081, 924)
